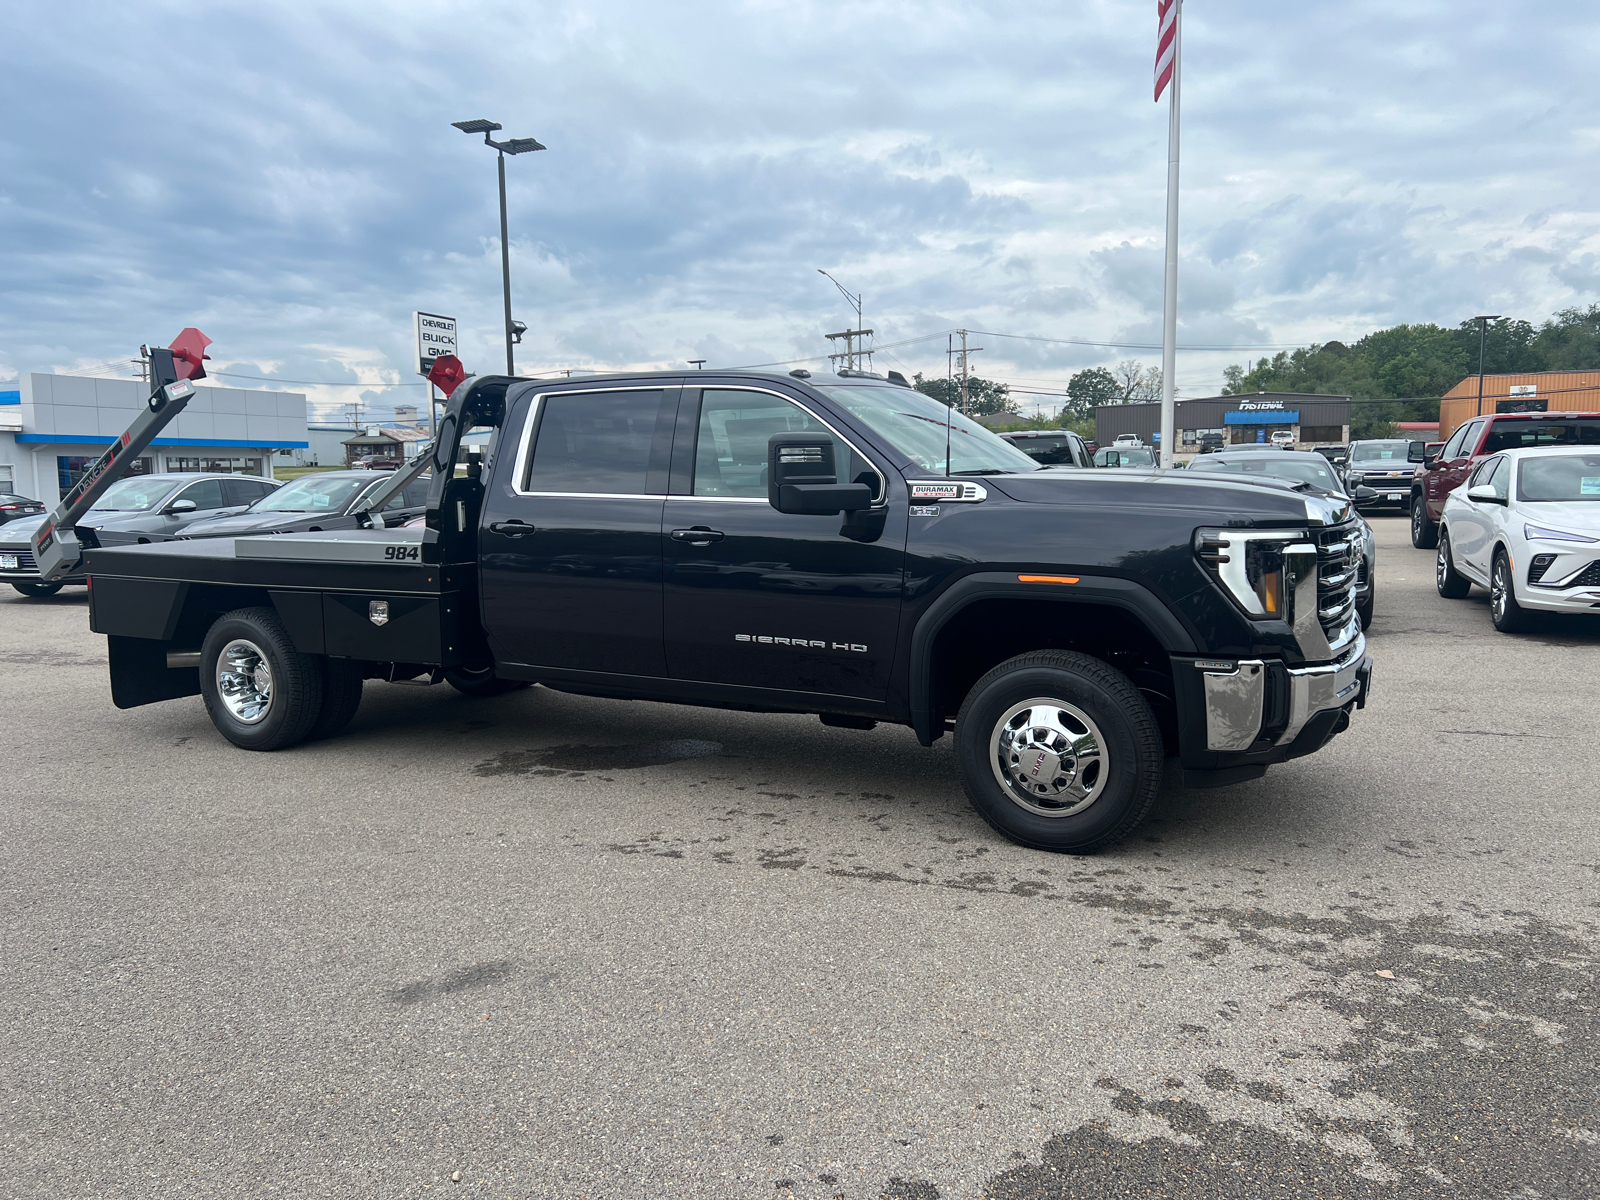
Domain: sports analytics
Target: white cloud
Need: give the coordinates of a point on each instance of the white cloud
(287, 179)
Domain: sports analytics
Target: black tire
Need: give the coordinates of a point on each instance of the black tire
(1105, 797)
(38, 591)
(1424, 530)
(1508, 616)
(482, 683)
(341, 696)
(1452, 584)
(1364, 611)
(293, 692)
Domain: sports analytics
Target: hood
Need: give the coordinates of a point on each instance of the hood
(21, 530)
(1579, 516)
(121, 522)
(244, 523)
(1212, 496)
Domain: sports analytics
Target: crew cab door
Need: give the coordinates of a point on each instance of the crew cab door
(570, 534)
(764, 599)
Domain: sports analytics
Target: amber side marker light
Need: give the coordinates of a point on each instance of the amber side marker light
(1047, 579)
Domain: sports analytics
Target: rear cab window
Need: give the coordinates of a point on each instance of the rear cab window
(1513, 434)
(599, 443)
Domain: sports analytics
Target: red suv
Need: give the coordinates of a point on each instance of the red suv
(1475, 441)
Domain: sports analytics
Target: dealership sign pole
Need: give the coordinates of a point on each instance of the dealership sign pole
(436, 337)
(1169, 51)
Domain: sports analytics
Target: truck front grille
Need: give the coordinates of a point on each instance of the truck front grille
(1339, 563)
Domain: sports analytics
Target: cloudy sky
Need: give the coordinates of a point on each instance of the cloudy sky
(285, 177)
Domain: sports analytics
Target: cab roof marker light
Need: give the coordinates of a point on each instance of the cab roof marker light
(1047, 579)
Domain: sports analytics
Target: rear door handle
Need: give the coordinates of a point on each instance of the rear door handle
(699, 536)
(513, 528)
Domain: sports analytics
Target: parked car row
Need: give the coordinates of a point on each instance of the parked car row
(164, 508)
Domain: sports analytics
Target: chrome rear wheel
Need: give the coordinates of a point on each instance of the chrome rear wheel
(244, 681)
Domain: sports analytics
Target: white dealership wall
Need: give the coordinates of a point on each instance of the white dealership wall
(77, 415)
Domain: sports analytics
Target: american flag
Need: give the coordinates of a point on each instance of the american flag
(1166, 37)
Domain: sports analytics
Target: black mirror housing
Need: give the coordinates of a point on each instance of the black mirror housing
(802, 477)
(1364, 493)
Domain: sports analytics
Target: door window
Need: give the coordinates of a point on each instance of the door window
(205, 494)
(731, 447)
(245, 491)
(595, 442)
(1453, 446)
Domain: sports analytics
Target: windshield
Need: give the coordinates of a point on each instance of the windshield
(133, 495)
(919, 427)
(1045, 449)
(311, 493)
(1126, 456)
(1304, 468)
(1560, 477)
(1390, 451)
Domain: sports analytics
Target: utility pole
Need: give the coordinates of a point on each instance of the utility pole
(142, 363)
(851, 354)
(1483, 337)
(699, 364)
(964, 351)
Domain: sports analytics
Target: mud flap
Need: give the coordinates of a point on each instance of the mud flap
(140, 675)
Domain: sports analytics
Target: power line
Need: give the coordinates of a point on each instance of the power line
(310, 382)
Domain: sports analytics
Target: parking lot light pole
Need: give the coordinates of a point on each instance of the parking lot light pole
(509, 146)
(1483, 336)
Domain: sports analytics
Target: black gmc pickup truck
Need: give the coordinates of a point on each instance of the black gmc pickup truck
(786, 543)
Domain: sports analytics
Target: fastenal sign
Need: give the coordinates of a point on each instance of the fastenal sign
(436, 336)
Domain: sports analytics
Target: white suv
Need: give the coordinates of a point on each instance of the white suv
(1282, 437)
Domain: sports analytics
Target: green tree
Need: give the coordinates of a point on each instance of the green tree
(984, 396)
(1570, 340)
(1090, 387)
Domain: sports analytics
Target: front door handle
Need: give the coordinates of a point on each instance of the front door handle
(698, 536)
(512, 528)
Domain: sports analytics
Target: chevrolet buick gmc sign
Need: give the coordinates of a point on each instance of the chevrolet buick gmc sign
(436, 336)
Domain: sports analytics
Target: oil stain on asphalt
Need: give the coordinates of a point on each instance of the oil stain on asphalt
(577, 759)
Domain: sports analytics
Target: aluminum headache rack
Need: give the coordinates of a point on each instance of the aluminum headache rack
(56, 545)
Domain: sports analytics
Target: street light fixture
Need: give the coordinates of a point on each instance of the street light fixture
(851, 334)
(514, 329)
(1483, 335)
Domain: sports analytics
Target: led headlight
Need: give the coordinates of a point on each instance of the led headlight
(1257, 567)
(1544, 534)
(1356, 476)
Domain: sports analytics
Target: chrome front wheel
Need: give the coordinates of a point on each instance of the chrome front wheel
(244, 681)
(1049, 756)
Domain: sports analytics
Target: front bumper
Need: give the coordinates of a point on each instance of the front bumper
(1239, 716)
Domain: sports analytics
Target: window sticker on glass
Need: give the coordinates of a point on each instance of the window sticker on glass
(1589, 485)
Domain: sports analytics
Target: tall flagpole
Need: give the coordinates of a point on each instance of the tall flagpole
(1169, 330)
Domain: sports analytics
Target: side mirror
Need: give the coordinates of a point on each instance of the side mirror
(1484, 493)
(181, 506)
(1430, 462)
(802, 478)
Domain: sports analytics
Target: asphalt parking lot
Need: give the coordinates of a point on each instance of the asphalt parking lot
(571, 947)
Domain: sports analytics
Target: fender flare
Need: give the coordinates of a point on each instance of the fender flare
(1109, 590)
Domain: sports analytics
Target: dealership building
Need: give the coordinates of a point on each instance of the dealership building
(52, 427)
(1252, 417)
